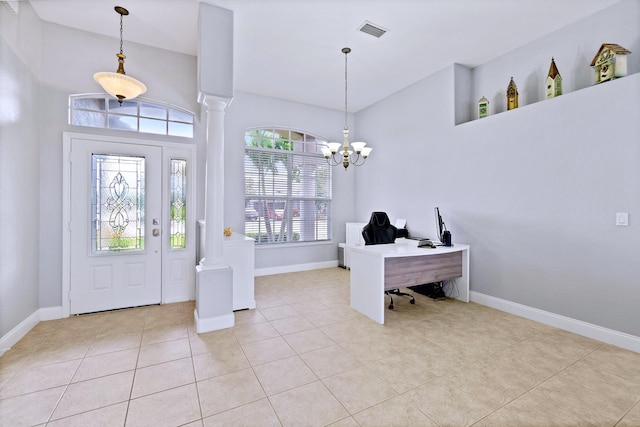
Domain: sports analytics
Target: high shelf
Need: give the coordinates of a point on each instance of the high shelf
(465, 107)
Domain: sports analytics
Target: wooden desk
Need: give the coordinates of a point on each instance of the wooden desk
(377, 268)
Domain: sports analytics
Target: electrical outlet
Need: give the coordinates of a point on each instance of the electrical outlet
(622, 219)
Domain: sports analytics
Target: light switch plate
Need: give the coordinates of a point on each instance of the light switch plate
(622, 219)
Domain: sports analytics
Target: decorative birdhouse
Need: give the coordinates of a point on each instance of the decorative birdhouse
(512, 95)
(610, 62)
(483, 107)
(554, 81)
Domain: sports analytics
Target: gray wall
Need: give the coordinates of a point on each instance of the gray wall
(534, 191)
(19, 174)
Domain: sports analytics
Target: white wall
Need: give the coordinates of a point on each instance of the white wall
(19, 172)
(534, 191)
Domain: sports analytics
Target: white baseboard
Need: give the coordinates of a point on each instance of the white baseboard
(50, 313)
(16, 334)
(294, 268)
(609, 336)
(182, 298)
(23, 328)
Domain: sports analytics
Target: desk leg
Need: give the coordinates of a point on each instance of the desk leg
(463, 282)
(367, 284)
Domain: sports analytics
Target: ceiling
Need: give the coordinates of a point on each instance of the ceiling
(291, 49)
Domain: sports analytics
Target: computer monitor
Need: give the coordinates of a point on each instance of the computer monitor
(440, 227)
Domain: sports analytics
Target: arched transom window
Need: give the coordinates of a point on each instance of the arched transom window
(104, 111)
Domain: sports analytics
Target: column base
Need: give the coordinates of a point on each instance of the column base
(213, 323)
(214, 298)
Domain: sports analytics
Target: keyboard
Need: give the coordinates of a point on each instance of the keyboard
(426, 243)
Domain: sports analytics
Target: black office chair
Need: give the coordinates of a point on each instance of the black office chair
(380, 231)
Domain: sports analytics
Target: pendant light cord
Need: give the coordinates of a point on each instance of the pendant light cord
(345, 90)
(121, 34)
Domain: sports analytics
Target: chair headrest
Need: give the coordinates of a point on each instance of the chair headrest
(379, 219)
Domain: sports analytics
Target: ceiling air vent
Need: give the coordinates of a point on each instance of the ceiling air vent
(372, 29)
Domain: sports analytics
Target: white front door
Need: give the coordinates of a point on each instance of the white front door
(115, 225)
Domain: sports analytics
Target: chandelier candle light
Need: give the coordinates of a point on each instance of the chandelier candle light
(118, 84)
(331, 149)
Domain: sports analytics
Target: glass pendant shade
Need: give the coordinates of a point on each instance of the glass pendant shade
(358, 146)
(334, 147)
(366, 151)
(120, 85)
(326, 152)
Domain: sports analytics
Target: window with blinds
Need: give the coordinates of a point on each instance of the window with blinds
(287, 187)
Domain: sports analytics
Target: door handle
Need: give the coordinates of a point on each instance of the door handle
(156, 232)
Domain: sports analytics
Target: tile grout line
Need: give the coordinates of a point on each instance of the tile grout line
(133, 381)
(70, 380)
(195, 379)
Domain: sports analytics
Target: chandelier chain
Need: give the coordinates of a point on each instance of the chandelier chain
(121, 34)
(345, 90)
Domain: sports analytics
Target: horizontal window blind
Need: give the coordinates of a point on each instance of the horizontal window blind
(287, 187)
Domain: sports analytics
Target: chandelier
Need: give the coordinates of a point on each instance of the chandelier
(337, 153)
(118, 84)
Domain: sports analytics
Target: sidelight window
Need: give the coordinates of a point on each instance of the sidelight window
(178, 204)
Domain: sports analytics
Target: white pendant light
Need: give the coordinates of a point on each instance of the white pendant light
(118, 84)
(345, 156)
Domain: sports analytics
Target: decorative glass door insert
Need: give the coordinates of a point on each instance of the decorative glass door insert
(117, 205)
(178, 204)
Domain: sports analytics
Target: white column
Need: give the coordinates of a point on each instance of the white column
(214, 187)
(214, 276)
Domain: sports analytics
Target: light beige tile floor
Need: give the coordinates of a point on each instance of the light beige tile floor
(305, 358)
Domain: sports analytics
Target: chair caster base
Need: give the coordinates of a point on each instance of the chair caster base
(397, 292)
